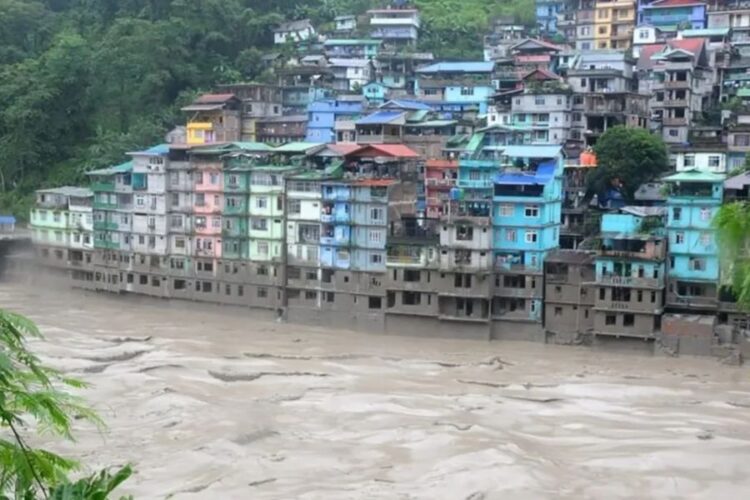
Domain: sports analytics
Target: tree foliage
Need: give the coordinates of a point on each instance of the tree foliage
(33, 395)
(631, 155)
(732, 223)
(79, 77)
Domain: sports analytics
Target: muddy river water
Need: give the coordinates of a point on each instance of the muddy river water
(218, 403)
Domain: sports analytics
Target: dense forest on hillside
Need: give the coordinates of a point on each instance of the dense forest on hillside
(84, 81)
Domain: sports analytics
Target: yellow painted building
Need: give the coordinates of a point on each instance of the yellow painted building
(614, 23)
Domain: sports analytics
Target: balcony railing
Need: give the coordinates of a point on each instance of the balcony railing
(440, 182)
(630, 281)
(674, 122)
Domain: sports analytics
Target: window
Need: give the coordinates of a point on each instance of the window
(531, 237)
(311, 295)
(531, 211)
(510, 235)
(539, 100)
(200, 199)
(610, 319)
(714, 161)
(673, 132)
(689, 161)
(697, 264)
(376, 258)
(705, 214)
(679, 238)
(259, 224)
(262, 271)
(216, 222)
(411, 298)
(375, 236)
(263, 248)
(506, 210)
(706, 239)
(262, 292)
(642, 34)
(467, 90)
(261, 202)
(376, 213)
(179, 243)
(143, 279)
(676, 213)
(178, 284)
(295, 207)
(628, 320)
(558, 311)
(374, 302)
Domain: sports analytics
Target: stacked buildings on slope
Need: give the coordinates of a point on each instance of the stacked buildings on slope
(378, 189)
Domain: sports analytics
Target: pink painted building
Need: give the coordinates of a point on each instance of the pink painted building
(440, 176)
(208, 204)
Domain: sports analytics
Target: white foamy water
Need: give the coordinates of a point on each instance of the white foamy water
(216, 403)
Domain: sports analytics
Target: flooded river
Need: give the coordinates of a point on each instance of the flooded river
(217, 403)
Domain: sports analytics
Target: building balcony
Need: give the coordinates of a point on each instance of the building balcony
(100, 205)
(336, 241)
(675, 103)
(645, 307)
(108, 187)
(206, 209)
(677, 84)
(630, 281)
(488, 164)
(106, 226)
(475, 183)
(625, 254)
(687, 302)
(447, 183)
(675, 122)
(406, 260)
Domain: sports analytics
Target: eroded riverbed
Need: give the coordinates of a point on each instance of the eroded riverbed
(215, 403)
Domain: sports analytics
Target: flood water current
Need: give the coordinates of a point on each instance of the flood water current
(222, 403)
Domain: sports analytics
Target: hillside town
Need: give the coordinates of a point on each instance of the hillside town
(377, 188)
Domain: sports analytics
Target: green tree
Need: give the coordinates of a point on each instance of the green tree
(631, 155)
(31, 394)
(732, 224)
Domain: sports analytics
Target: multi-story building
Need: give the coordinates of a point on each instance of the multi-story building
(396, 70)
(301, 85)
(213, 118)
(733, 15)
(440, 177)
(396, 27)
(293, 31)
(543, 112)
(614, 23)
(350, 74)
(585, 30)
(352, 48)
(693, 269)
(345, 24)
(676, 75)
(504, 33)
(568, 295)
(62, 227)
(281, 129)
(323, 115)
(706, 158)
(630, 274)
(576, 216)
(605, 95)
(546, 15)
(738, 138)
(670, 15)
(259, 101)
(457, 83)
(526, 214)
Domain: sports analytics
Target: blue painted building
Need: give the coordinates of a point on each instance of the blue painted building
(322, 116)
(630, 273)
(526, 208)
(546, 15)
(693, 269)
(369, 224)
(458, 83)
(375, 92)
(335, 227)
(668, 15)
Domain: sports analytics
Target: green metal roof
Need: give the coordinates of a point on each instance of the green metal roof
(417, 116)
(434, 123)
(233, 146)
(743, 92)
(695, 176)
(122, 168)
(475, 141)
(297, 147)
(705, 32)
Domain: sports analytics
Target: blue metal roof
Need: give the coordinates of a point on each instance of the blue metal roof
(159, 149)
(407, 104)
(543, 174)
(7, 219)
(458, 67)
(539, 151)
(379, 117)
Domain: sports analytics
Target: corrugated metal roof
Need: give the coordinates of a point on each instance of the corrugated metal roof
(738, 181)
(694, 176)
(433, 123)
(542, 175)
(417, 116)
(458, 67)
(358, 41)
(117, 169)
(474, 142)
(705, 32)
(382, 118)
(202, 107)
(394, 150)
(539, 151)
(348, 63)
(7, 219)
(214, 98)
(407, 104)
(74, 191)
(159, 149)
(298, 147)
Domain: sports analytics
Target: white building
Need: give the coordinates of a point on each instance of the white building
(709, 159)
(349, 74)
(295, 31)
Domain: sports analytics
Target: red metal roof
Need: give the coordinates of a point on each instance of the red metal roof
(214, 98)
(441, 164)
(344, 148)
(693, 45)
(394, 150)
(541, 74)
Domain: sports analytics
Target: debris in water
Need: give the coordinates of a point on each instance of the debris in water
(96, 368)
(477, 495)
(229, 377)
(123, 340)
(158, 367)
(262, 482)
(739, 404)
(535, 400)
(706, 435)
(458, 427)
(495, 361)
(480, 382)
(126, 356)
